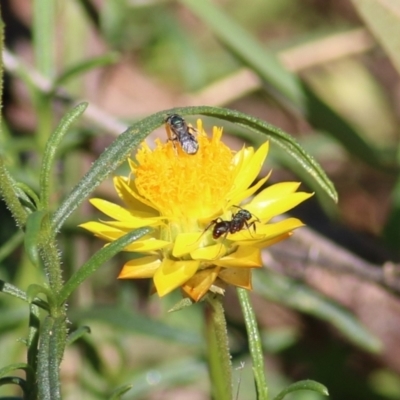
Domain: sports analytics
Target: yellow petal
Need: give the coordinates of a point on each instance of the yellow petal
(103, 231)
(250, 170)
(242, 157)
(269, 242)
(236, 276)
(267, 231)
(185, 243)
(209, 253)
(269, 208)
(123, 215)
(135, 223)
(150, 244)
(197, 286)
(173, 274)
(277, 191)
(243, 257)
(143, 267)
(239, 197)
(132, 198)
(110, 209)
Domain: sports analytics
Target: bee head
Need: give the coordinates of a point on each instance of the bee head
(175, 121)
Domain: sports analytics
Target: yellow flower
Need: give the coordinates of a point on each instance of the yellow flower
(194, 202)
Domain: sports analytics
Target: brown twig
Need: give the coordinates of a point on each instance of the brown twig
(309, 248)
(93, 114)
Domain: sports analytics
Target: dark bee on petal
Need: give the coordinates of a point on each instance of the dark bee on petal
(180, 132)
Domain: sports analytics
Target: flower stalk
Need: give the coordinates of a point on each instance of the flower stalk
(218, 355)
(255, 345)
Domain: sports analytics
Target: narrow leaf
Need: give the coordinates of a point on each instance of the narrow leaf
(34, 289)
(12, 367)
(303, 385)
(50, 151)
(120, 391)
(77, 334)
(12, 290)
(33, 235)
(85, 66)
(14, 380)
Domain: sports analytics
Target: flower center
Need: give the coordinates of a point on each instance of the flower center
(185, 187)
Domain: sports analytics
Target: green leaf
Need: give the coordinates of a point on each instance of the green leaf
(14, 380)
(12, 367)
(52, 146)
(85, 66)
(116, 395)
(12, 290)
(33, 236)
(181, 304)
(383, 19)
(77, 334)
(302, 298)
(34, 289)
(98, 259)
(303, 385)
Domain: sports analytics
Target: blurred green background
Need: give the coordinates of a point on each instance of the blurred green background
(325, 71)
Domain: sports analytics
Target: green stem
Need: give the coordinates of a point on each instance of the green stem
(51, 347)
(33, 341)
(50, 255)
(219, 358)
(254, 344)
(43, 372)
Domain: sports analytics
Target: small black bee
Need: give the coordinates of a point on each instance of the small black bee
(239, 221)
(181, 133)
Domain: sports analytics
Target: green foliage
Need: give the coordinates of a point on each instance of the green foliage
(58, 308)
